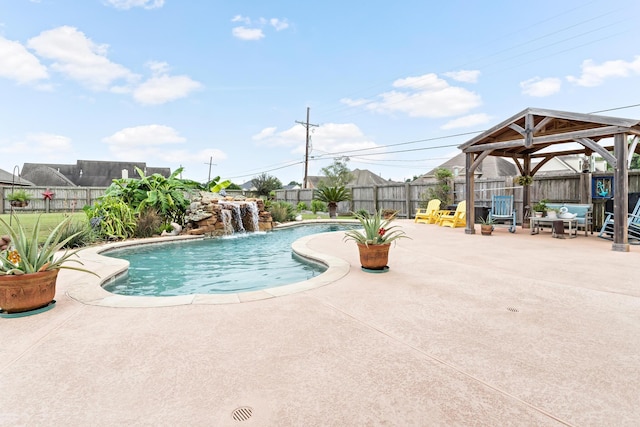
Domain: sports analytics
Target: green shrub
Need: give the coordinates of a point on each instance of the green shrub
(362, 213)
(282, 211)
(80, 234)
(302, 206)
(111, 218)
(318, 206)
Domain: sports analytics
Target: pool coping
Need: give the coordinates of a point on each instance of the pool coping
(88, 289)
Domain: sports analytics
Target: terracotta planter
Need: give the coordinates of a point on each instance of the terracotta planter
(486, 229)
(374, 257)
(28, 291)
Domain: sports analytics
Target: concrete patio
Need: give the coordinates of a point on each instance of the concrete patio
(512, 329)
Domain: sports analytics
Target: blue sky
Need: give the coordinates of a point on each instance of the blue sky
(395, 86)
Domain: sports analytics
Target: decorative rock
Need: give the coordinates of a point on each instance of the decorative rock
(177, 228)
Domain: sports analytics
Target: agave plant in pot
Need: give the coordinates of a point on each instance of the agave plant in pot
(29, 269)
(375, 239)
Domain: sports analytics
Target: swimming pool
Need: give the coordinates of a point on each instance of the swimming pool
(239, 263)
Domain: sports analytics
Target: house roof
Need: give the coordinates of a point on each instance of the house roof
(366, 177)
(7, 179)
(90, 173)
(360, 177)
(43, 175)
(491, 167)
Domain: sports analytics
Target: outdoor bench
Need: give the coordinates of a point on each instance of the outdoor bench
(584, 214)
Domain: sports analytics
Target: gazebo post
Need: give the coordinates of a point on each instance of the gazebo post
(620, 195)
(469, 182)
(526, 189)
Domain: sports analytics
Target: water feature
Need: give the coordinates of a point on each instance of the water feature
(237, 263)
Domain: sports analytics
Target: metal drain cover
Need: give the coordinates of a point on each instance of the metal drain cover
(242, 413)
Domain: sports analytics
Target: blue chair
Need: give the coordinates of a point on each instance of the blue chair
(502, 211)
(633, 226)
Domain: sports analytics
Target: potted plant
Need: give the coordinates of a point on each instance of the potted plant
(374, 240)
(19, 199)
(552, 213)
(29, 269)
(389, 213)
(332, 196)
(523, 180)
(540, 207)
(486, 226)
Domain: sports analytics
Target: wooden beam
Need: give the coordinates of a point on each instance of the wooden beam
(537, 128)
(559, 153)
(606, 131)
(541, 163)
(478, 160)
(517, 162)
(495, 146)
(469, 181)
(632, 149)
(598, 149)
(528, 125)
(620, 195)
(518, 129)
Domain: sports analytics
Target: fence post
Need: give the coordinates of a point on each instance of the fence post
(407, 197)
(375, 198)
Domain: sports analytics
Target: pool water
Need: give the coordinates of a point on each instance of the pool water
(238, 263)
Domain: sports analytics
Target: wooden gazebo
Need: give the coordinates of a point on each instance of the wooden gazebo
(544, 134)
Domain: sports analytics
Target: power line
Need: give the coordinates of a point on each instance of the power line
(614, 109)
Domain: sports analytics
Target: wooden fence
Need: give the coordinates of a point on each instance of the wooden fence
(407, 197)
(65, 199)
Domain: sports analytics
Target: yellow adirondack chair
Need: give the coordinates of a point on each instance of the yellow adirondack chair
(428, 215)
(456, 218)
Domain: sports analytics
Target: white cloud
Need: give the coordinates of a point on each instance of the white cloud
(466, 76)
(17, 63)
(541, 87)
(165, 154)
(253, 29)
(43, 145)
(49, 142)
(243, 19)
(188, 156)
(279, 24)
(327, 138)
(264, 134)
(128, 4)
(76, 56)
(595, 74)
(244, 33)
(423, 96)
(147, 135)
(467, 121)
(162, 89)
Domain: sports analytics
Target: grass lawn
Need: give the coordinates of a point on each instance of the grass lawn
(48, 221)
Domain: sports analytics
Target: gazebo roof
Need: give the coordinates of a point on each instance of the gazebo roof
(512, 137)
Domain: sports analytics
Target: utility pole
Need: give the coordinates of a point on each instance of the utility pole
(210, 163)
(306, 151)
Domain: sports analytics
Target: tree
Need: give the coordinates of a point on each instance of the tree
(337, 174)
(295, 183)
(265, 184)
(332, 196)
(442, 190)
